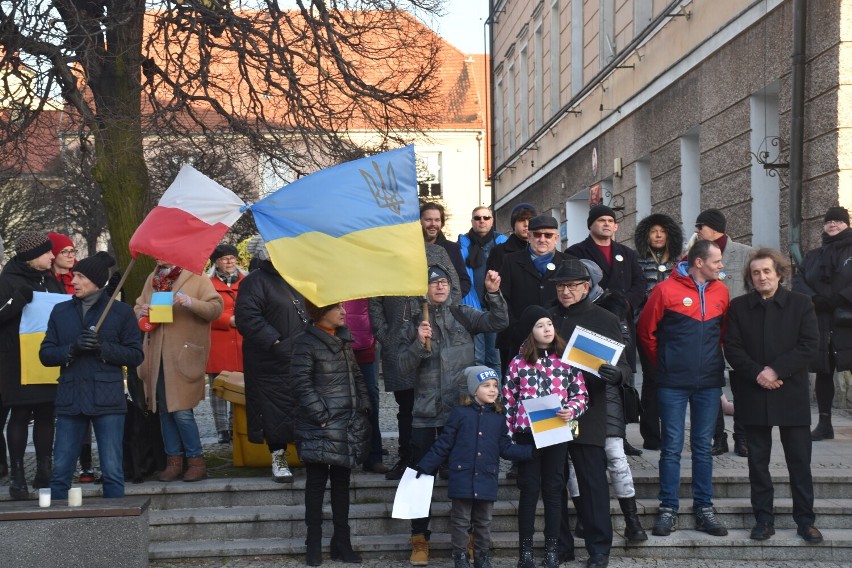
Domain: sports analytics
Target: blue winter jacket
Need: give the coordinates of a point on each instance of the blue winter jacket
(475, 437)
(472, 298)
(91, 383)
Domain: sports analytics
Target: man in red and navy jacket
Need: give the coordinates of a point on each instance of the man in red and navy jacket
(681, 330)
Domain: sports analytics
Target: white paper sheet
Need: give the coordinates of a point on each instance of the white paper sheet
(548, 429)
(413, 496)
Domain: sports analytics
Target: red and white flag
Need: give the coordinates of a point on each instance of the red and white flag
(193, 215)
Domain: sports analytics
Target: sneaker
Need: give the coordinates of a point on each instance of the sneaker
(280, 471)
(666, 522)
(87, 476)
(706, 521)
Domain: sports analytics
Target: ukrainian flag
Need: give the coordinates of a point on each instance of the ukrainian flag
(350, 231)
(590, 353)
(32, 330)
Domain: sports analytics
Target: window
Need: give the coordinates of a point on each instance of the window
(607, 35)
(690, 180)
(498, 120)
(765, 193)
(524, 91)
(538, 80)
(428, 174)
(555, 71)
(643, 187)
(510, 107)
(576, 46)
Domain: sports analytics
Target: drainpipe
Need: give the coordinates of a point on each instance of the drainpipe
(797, 128)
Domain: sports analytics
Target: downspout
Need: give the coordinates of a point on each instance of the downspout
(488, 43)
(797, 128)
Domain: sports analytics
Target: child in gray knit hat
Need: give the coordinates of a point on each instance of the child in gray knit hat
(474, 439)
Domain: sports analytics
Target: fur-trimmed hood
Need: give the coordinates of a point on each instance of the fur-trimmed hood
(673, 229)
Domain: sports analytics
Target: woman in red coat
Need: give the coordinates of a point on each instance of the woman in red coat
(226, 343)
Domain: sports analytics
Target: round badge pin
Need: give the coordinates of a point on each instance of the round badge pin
(551, 266)
(722, 275)
(687, 302)
(619, 258)
(661, 268)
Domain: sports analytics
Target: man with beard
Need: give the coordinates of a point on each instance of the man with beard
(432, 220)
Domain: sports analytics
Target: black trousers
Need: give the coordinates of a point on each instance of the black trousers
(739, 429)
(405, 401)
(544, 476)
(649, 421)
(590, 467)
(797, 444)
(317, 476)
(421, 441)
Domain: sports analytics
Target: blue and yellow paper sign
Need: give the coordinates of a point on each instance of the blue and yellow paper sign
(162, 310)
(32, 330)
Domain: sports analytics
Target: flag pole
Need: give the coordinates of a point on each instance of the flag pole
(115, 294)
(428, 344)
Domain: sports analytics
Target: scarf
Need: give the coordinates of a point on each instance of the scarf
(477, 243)
(164, 278)
(541, 262)
(722, 242)
(833, 253)
(228, 278)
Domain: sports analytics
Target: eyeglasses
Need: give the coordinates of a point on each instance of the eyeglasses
(573, 286)
(68, 252)
(482, 217)
(835, 222)
(441, 282)
(230, 258)
(541, 234)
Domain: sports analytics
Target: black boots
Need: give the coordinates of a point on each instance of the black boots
(313, 546)
(460, 560)
(551, 553)
(341, 549)
(44, 469)
(823, 430)
(525, 554)
(633, 530)
(720, 445)
(18, 481)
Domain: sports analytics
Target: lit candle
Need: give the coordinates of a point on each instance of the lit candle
(75, 497)
(44, 497)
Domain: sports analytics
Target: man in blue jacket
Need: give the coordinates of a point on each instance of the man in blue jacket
(476, 247)
(91, 381)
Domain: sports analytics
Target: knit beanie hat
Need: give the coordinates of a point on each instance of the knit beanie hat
(224, 250)
(836, 214)
(436, 273)
(96, 268)
(522, 209)
(477, 375)
(714, 219)
(32, 245)
(530, 316)
(59, 242)
(597, 212)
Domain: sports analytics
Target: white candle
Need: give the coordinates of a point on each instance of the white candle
(75, 497)
(44, 497)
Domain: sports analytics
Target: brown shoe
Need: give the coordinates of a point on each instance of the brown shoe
(419, 550)
(196, 469)
(174, 469)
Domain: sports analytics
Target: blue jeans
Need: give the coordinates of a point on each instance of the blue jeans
(70, 433)
(485, 348)
(180, 433)
(703, 407)
(369, 372)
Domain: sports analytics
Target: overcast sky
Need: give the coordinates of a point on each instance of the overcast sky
(463, 24)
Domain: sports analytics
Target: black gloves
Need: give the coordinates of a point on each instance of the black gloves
(610, 374)
(419, 471)
(87, 341)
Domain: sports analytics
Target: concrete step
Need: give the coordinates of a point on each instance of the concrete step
(367, 488)
(270, 521)
(784, 546)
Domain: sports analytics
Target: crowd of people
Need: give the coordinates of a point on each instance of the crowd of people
(488, 335)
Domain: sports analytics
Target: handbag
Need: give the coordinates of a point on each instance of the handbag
(842, 317)
(631, 403)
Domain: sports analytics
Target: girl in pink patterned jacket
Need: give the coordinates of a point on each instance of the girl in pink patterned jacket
(536, 372)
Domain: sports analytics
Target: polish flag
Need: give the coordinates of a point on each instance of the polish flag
(193, 215)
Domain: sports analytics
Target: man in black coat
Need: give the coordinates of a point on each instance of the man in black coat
(525, 276)
(620, 266)
(771, 337)
(572, 283)
(518, 240)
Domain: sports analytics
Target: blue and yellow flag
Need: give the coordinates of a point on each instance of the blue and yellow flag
(350, 231)
(32, 330)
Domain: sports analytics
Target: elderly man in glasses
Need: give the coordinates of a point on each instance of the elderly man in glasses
(525, 276)
(476, 247)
